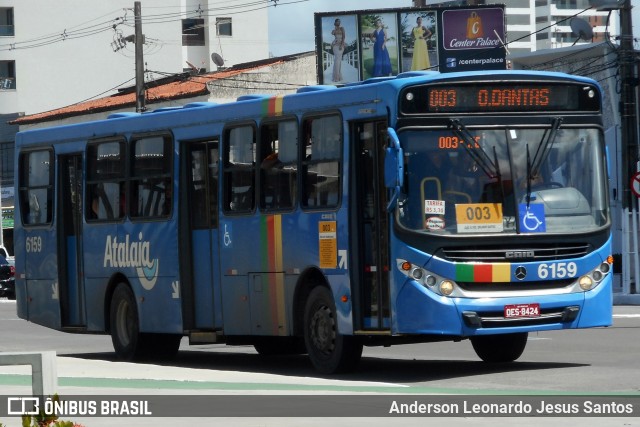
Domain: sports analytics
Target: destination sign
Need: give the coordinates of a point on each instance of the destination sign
(500, 97)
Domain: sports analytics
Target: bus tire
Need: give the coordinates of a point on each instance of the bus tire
(500, 348)
(330, 352)
(124, 324)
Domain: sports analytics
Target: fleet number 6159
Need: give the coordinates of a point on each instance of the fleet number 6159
(557, 270)
(33, 244)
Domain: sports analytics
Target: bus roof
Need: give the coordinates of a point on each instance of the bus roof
(257, 105)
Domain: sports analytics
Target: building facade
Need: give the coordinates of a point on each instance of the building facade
(50, 57)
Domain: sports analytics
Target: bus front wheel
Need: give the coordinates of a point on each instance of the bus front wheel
(330, 352)
(499, 348)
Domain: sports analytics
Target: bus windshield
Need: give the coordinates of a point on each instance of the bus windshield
(509, 180)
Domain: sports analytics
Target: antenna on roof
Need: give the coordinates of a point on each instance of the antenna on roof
(582, 29)
(193, 67)
(217, 59)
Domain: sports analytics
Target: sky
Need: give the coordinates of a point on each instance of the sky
(297, 19)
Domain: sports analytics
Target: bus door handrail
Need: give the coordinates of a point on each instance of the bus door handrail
(393, 167)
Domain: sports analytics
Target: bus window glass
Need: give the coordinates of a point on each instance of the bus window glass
(321, 174)
(204, 186)
(504, 181)
(212, 169)
(240, 159)
(278, 167)
(151, 183)
(106, 181)
(36, 188)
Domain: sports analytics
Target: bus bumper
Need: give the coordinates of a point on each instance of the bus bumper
(424, 312)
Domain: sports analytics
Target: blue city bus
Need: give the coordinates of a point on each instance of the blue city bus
(420, 208)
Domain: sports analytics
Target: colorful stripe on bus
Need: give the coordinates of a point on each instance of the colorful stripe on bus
(498, 272)
(271, 252)
(272, 106)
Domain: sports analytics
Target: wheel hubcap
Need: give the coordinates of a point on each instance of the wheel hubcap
(323, 330)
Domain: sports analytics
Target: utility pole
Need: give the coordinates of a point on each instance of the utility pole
(139, 41)
(628, 118)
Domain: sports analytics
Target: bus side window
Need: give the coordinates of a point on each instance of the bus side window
(321, 166)
(278, 166)
(239, 169)
(106, 181)
(151, 184)
(36, 187)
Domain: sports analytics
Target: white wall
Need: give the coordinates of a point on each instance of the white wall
(64, 73)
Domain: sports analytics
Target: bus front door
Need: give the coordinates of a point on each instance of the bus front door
(200, 260)
(371, 258)
(71, 281)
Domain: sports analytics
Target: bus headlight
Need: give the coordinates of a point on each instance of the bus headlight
(446, 287)
(430, 280)
(586, 283)
(595, 276)
(433, 282)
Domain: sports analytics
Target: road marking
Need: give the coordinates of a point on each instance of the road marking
(626, 316)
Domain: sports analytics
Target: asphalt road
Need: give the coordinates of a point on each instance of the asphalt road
(600, 361)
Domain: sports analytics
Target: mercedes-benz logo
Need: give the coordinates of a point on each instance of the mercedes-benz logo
(521, 273)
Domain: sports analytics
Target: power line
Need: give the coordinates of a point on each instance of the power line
(66, 34)
(83, 30)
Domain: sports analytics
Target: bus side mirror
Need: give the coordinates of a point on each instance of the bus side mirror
(393, 167)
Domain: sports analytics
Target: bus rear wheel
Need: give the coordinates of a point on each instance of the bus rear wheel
(330, 352)
(128, 342)
(500, 348)
(124, 326)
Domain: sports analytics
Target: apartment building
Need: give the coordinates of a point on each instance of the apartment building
(52, 53)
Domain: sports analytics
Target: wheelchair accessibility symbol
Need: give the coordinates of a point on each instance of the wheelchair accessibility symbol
(226, 237)
(532, 219)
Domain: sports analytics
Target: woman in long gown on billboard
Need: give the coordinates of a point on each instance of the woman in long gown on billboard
(381, 60)
(420, 34)
(338, 49)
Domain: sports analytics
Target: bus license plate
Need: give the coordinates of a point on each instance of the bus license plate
(521, 310)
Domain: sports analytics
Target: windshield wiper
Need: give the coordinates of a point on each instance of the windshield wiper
(481, 158)
(544, 148)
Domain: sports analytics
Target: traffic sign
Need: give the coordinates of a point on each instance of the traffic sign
(635, 184)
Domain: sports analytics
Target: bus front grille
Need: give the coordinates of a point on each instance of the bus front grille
(515, 286)
(522, 253)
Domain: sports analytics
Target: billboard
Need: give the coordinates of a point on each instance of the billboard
(358, 45)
